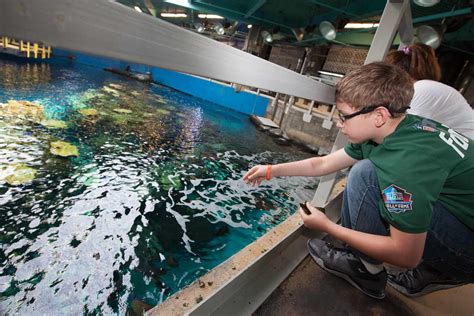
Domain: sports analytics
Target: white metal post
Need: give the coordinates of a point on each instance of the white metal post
(383, 39)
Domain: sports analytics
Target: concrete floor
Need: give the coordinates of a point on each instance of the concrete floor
(311, 291)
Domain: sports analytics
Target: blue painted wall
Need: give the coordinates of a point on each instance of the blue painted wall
(243, 102)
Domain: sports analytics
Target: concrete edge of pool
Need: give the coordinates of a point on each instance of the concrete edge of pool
(260, 263)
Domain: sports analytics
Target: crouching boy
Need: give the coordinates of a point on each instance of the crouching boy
(409, 198)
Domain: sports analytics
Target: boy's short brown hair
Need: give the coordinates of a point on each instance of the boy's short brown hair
(376, 84)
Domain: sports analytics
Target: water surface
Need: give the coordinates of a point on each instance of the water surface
(154, 200)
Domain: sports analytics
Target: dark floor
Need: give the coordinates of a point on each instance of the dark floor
(311, 291)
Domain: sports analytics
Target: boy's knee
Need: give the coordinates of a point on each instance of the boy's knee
(362, 171)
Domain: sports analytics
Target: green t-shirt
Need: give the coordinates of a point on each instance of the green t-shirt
(421, 162)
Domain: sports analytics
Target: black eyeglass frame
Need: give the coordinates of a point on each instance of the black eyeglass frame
(370, 108)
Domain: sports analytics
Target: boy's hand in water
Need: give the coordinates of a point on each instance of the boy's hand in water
(256, 175)
(316, 220)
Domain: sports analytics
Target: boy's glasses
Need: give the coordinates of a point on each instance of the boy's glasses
(370, 108)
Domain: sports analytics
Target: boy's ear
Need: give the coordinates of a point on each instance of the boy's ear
(382, 115)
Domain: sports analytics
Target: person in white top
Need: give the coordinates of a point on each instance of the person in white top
(433, 99)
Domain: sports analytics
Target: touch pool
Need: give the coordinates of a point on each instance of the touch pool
(148, 197)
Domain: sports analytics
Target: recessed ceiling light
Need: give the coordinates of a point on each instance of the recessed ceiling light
(360, 25)
(210, 16)
(173, 15)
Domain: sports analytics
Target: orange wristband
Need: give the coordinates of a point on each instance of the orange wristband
(268, 176)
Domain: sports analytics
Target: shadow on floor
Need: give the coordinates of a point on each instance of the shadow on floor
(309, 290)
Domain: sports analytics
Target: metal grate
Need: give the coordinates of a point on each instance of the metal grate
(342, 59)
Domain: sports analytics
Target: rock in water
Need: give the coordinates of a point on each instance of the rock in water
(88, 112)
(23, 110)
(122, 111)
(140, 307)
(54, 124)
(63, 149)
(20, 174)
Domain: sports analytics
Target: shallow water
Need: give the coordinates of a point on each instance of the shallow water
(154, 200)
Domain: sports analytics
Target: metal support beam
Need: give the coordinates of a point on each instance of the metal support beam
(257, 5)
(361, 10)
(443, 15)
(151, 7)
(405, 29)
(97, 27)
(326, 183)
(388, 25)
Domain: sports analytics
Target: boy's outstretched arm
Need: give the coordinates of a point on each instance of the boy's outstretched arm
(311, 167)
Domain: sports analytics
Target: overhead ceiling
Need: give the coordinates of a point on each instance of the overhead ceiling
(286, 18)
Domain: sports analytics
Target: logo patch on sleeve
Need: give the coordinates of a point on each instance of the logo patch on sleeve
(396, 199)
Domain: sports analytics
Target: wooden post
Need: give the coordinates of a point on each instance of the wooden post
(35, 50)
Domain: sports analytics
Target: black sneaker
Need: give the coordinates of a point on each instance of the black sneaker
(344, 264)
(421, 281)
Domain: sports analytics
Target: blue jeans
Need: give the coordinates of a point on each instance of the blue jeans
(449, 243)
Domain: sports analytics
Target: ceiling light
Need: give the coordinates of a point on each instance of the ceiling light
(219, 29)
(249, 26)
(328, 31)
(210, 16)
(138, 9)
(173, 15)
(267, 37)
(428, 35)
(426, 3)
(298, 33)
(199, 27)
(361, 25)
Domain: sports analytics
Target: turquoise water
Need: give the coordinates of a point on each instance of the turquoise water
(154, 200)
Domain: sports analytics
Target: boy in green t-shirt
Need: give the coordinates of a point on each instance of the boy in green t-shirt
(409, 198)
